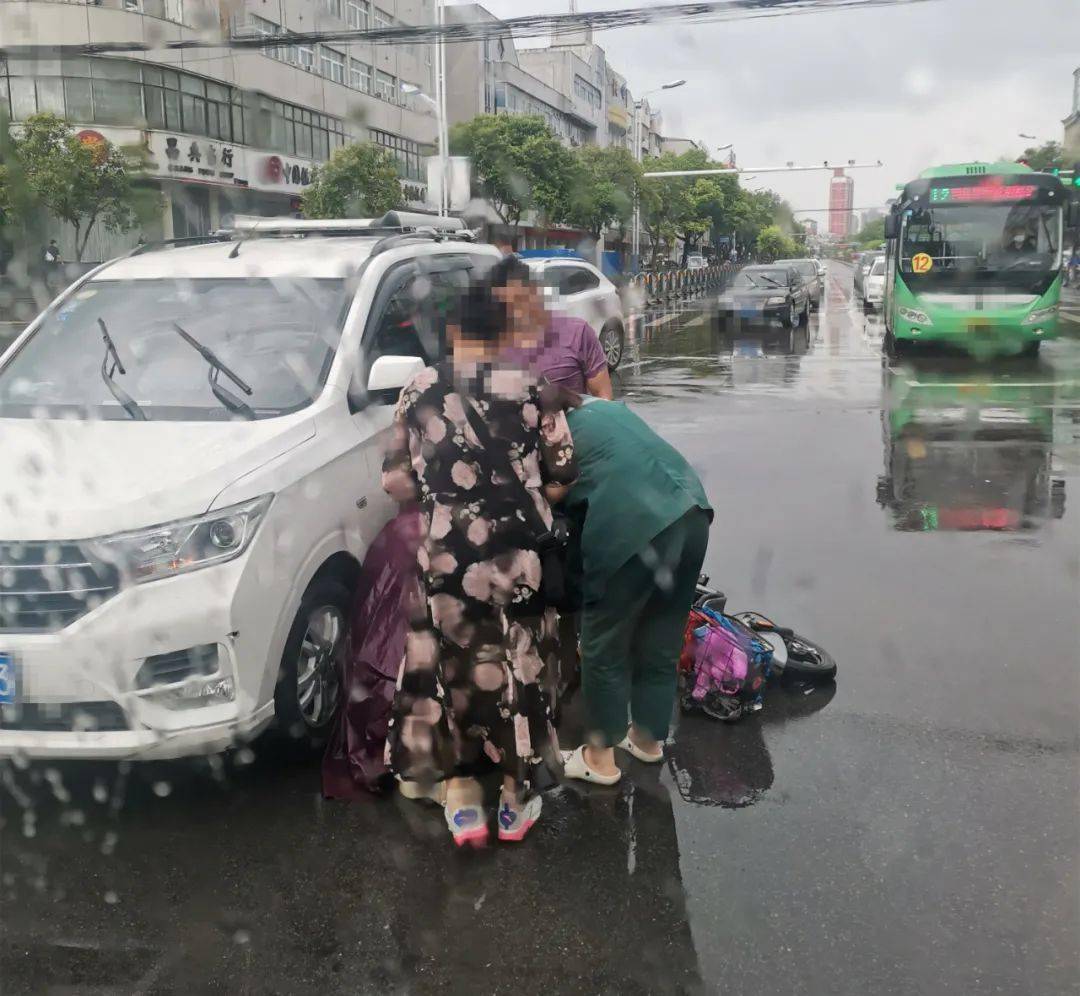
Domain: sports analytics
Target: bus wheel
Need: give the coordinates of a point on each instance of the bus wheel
(1031, 350)
(895, 348)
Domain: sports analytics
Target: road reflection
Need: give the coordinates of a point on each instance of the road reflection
(972, 448)
(728, 765)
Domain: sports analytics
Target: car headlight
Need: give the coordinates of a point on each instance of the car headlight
(185, 545)
(1041, 315)
(773, 301)
(913, 315)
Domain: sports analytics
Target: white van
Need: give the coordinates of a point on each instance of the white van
(189, 445)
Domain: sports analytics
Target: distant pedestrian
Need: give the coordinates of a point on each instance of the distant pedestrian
(1072, 272)
(51, 255)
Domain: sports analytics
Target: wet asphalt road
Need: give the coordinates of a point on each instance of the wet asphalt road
(911, 830)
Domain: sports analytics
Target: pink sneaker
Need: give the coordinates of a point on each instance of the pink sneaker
(468, 826)
(515, 823)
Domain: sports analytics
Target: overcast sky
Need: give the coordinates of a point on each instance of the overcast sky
(947, 81)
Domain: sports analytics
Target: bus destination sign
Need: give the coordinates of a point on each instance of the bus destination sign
(983, 193)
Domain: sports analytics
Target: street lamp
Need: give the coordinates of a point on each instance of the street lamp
(1030, 138)
(638, 104)
(412, 90)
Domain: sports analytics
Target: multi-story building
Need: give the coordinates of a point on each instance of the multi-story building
(224, 129)
(1071, 140)
(841, 201)
(569, 83)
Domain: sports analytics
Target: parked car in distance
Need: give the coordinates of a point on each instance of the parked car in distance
(874, 284)
(579, 289)
(696, 262)
(206, 424)
(862, 268)
(766, 292)
(808, 270)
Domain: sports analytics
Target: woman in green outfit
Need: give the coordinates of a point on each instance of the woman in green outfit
(644, 526)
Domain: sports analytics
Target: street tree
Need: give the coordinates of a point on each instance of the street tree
(602, 189)
(1045, 157)
(81, 183)
(518, 165)
(359, 181)
(773, 244)
(872, 235)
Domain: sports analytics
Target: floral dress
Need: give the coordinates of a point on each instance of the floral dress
(480, 666)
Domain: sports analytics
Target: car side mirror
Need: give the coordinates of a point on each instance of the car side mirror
(891, 227)
(387, 376)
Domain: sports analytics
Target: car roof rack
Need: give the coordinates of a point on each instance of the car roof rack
(391, 223)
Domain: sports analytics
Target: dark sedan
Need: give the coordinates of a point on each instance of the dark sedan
(766, 293)
(808, 270)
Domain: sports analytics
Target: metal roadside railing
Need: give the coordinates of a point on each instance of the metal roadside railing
(672, 287)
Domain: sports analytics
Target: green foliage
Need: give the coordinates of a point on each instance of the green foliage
(871, 236)
(602, 190)
(80, 184)
(773, 244)
(518, 165)
(1045, 157)
(359, 181)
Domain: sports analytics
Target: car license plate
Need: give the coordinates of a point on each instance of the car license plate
(9, 680)
(981, 330)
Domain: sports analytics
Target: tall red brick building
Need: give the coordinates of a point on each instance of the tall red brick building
(841, 201)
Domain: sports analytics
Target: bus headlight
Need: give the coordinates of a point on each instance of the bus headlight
(1039, 316)
(912, 315)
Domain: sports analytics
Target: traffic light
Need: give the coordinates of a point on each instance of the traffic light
(1076, 175)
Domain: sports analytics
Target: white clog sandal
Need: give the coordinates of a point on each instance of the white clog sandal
(574, 766)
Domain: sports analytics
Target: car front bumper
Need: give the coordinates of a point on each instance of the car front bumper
(76, 689)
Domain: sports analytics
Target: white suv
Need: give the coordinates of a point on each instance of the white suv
(189, 444)
(580, 290)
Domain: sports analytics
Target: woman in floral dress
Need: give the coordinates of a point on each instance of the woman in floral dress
(476, 684)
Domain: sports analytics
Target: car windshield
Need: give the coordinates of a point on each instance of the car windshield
(277, 336)
(1010, 246)
(807, 267)
(878, 268)
(761, 278)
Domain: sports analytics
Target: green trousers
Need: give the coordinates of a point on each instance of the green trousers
(632, 637)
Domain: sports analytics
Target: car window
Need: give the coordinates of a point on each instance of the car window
(879, 268)
(575, 279)
(412, 318)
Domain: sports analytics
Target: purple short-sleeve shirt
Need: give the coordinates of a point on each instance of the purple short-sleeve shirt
(571, 354)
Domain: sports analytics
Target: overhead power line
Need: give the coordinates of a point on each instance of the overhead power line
(530, 26)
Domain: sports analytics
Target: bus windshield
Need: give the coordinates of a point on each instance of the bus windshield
(1010, 247)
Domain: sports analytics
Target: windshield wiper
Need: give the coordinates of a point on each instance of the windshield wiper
(772, 283)
(125, 400)
(223, 394)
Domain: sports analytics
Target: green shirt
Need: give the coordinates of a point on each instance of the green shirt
(631, 486)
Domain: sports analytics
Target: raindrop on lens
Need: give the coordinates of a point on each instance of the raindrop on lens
(111, 898)
(162, 789)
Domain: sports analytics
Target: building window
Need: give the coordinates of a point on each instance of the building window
(305, 57)
(255, 25)
(382, 19)
(586, 92)
(332, 64)
(121, 92)
(358, 14)
(408, 154)
(333, 7)
(386, 86)
(360, 76)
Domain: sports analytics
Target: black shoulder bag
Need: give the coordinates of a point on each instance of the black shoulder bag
(550, 543)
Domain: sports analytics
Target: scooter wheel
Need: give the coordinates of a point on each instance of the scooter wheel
(806, 661)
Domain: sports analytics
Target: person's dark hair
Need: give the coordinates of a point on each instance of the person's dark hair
(479, 314)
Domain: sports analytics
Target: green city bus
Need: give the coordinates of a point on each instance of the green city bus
(973, 259)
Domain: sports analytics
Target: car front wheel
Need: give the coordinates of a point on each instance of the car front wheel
(309, 685)
(612, 341)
